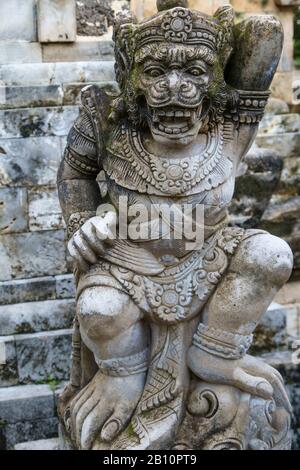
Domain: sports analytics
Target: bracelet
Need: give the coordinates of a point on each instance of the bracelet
(76, 220)
(221, 343)
(124, 366)
(250, 106)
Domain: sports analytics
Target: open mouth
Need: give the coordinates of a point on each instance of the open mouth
(174, 121)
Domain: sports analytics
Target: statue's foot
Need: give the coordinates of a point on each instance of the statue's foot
(249, 374)
(104, 407)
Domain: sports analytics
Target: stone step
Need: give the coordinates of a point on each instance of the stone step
(12, 52)
(56, 73)
(42, 357)
(37, 289)
(85, 49)
(18, 167)
(286, 145)
(42, 444)
(34, 317)
(27, 413)
(38, 96)
(279, 124)
(22, 52)
(18, 20)
(37, 122)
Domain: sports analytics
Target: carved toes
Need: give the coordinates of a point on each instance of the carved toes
(251, 384)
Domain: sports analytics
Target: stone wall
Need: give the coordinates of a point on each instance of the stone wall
(40, 83)
(95, 16)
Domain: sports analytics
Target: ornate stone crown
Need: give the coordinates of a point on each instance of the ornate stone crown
(176, 23)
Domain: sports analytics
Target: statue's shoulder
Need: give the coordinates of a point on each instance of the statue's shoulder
(97, 103)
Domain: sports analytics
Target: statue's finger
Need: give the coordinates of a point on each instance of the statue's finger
(90, 236)
(84, 250)
(103, 232)
(77, 257)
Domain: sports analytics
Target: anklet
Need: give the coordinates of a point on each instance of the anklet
(123, 366)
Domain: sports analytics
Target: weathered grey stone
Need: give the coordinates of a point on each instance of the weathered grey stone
(280, 124)
(32, 254)
(13, 210)
(289, 294)
(27, 290)
(81, 50)
(31, 96)
(56, 20)
(282, 209)
(271, 333)
(259, 175)
(290, 178)
(66, 72)
(286, 145)
(94, 17)
(33, 317)
(8, 362)
(18, 20)
(57, 73)
(37, 122)
(42, 444)
(277, 106)
(20, 52)
(29, 162)
(44, 210)
(31, 74)
(26, 403)
(30, 431)
(44, 356)
(294, 392)
(72, 91)
(65, 286)
(282, 361)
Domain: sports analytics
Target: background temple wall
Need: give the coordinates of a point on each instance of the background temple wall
(46, 57)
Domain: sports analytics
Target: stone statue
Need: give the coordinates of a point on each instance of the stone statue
(163, 326)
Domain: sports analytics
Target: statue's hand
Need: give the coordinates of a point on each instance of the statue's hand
(90, 241)
(249, 374)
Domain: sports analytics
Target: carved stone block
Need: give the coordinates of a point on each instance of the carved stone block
(18, 20)
(56, 20)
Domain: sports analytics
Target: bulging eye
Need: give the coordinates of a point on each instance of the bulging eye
(195, 71)
(154, 71)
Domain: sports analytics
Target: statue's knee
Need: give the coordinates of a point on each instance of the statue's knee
(266, 257)
(105, 312)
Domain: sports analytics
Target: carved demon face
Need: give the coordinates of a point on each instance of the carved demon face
(175, 81)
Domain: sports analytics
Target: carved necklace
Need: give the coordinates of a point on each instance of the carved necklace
(168, 176)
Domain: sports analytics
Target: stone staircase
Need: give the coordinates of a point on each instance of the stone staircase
(39, 95)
